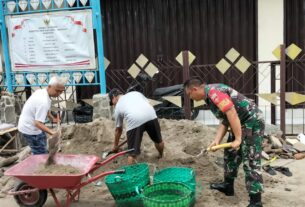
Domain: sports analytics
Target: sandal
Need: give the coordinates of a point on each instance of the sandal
(283, 170)
(269, 169)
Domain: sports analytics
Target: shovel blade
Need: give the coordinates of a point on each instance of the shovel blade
(106, 154)
(50, 159)
(53, 148)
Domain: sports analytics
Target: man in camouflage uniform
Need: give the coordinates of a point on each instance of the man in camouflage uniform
(243, 117)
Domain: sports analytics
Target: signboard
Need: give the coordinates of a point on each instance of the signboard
(51, 41)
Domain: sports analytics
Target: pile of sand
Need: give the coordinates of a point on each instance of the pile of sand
(55, 169)
(183, 139)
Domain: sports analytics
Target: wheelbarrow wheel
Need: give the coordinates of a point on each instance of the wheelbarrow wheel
(32, 199)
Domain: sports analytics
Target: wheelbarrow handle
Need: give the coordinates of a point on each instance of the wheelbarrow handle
(97, 177)
(130, 150)
(120, 171)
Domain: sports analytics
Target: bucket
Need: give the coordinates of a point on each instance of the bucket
(183, 175)
(167, 194)
(125, 187)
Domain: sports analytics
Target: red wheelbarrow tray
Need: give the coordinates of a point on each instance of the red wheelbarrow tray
(25, 170)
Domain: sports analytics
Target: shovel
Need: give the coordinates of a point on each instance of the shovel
(54, 144)
(106, 154)
(220, 146)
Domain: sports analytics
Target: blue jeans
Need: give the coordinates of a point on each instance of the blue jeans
(38, 143)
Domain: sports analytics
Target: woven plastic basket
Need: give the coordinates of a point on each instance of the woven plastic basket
(177, 174)
(183, 175)
(167, 194)
(125, 187)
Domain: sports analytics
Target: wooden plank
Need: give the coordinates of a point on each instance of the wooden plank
(88, 101)
(7, 143)
(7, 161)
(2, 132)
(9, 151)
(299, 147)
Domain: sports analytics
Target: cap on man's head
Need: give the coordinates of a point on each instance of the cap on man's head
(113, 93)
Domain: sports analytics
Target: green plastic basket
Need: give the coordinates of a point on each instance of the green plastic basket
(183, 175)
(125, 187)
(177, 174)
(167, 194)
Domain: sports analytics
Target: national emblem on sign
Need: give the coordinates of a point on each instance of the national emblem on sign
(46, 20)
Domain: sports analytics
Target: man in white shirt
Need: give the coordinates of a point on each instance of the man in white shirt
(140, 117)
(36, 109)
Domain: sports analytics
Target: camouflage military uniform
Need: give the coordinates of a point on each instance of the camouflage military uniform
(219, 98)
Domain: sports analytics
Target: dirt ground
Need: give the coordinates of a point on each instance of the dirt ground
(183, 139)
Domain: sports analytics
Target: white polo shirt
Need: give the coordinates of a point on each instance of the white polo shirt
(35, 108)
(135, 109)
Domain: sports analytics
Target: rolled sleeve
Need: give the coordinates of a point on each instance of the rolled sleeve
(221, 100)
(118, 119)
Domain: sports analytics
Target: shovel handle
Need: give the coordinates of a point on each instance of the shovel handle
(120, 145)
(220, 146)
(112, 152)
(58, 121)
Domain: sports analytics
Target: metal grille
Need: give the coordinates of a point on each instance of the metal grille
(244, 83)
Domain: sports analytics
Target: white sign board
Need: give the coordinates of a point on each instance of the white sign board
(51, 41)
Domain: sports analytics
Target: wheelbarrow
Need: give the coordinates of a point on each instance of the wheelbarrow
(32, 188)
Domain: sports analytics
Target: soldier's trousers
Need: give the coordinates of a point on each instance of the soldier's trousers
(249, 154)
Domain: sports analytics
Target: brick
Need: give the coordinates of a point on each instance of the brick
(299, 147)
(276, 143)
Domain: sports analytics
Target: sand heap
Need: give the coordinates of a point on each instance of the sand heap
(183, 139)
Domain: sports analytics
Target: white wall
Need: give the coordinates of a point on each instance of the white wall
(270, 35)
(270, 27)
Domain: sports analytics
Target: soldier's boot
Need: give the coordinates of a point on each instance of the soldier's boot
(226, 187)
(256, 200)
